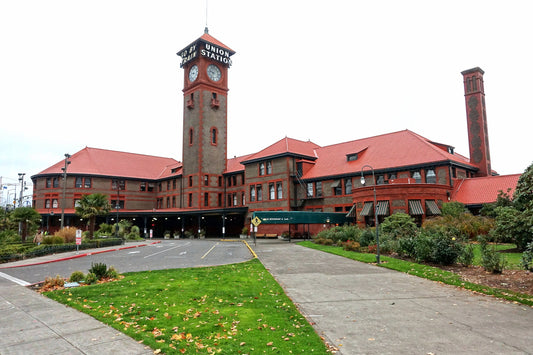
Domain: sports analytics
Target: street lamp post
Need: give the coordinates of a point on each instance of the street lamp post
(21, 179)
(67, 162)
(375, 207)
(117, 205)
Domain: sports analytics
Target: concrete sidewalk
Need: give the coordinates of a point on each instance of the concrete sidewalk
(365, 309)
(34, 324)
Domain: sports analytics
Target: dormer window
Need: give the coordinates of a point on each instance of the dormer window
(351, 157)
(450, 150)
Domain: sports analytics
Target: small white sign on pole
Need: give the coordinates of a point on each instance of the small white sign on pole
(78, 236)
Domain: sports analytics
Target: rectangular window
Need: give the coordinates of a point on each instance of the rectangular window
(168, 185)
(121, 184)
(269, 167)
(56, 182)
(234, 199)
(252, 193)
(190, 200)
(431, 177)
(261, 168)
(310, 189)
(259, 189)
(173, 201)
(55, 203)
(160, 187)
(88, 181)
(348, 186)
(279, 190)
(142, 187)
(150, 187)
(174, 184)
(234, 179)
(229, 200)
(271, 191)
(318, 188)
(48, 183)
(190, 181)
(79, 182)
(47, 203)
(206, 180)
(220, 181)
(219, 200)
(243, 199)
(206, 199)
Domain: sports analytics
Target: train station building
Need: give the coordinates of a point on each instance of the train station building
(209, 192)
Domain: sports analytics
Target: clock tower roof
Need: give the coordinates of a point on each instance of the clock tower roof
(217, 47)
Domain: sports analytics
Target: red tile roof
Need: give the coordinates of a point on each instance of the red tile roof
(234, 165)
(208, 38)
(94, 161)
(396, 149)
(483, 189)
(285, 146)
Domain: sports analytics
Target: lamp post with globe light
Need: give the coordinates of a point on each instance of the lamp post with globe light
(363, 181)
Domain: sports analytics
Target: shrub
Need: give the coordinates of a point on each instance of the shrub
(466, 258)
(68, 234)
(90, 278)
(76, 276)
(9, 236)
(351, 245)
(54, 281)
(491, 260)
(527, 257)
(98, 269)
(368, 237)
(406, 247)
(446, 249)
(112, 272)
(453, 209)
(135, 233)
(53, 239)
(399, 225)
(104, 230)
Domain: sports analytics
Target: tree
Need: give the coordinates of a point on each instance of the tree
(91, 206)
(523, 194)
(28, 218)
(516, 222)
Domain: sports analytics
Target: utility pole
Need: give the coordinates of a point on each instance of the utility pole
(67, 162)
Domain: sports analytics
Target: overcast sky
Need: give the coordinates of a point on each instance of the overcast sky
(105, 74)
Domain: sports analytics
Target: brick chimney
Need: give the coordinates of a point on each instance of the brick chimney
(476, 117)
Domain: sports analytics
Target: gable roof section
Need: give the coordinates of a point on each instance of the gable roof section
(206, 37)
(285, 147)
(94, 161)
(482, 190)
(393, 150)
(234, 165)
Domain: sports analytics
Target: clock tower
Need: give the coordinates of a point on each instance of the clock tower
(205, 62)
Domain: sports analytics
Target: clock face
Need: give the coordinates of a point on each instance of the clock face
(213, 72)
(193, 73)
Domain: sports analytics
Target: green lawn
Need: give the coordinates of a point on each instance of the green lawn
(425, 271)
(513, 259)
(229, 309)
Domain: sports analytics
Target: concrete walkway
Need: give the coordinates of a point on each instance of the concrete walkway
(365, 309)
(34, 324)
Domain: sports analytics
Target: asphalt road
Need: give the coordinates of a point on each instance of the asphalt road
(168, 254)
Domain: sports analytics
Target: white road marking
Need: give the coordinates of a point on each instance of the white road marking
(14, 279)
(164, 251)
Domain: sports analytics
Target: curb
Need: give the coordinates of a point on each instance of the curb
(80, 255)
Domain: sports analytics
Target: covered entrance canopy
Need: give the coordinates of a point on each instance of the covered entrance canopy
(299, 217)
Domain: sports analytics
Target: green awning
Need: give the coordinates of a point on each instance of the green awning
(432, 208)
(367, 209)
(382, 208)
(415, 208)
(352, 213)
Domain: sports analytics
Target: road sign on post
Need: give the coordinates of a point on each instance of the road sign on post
(78, 240)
